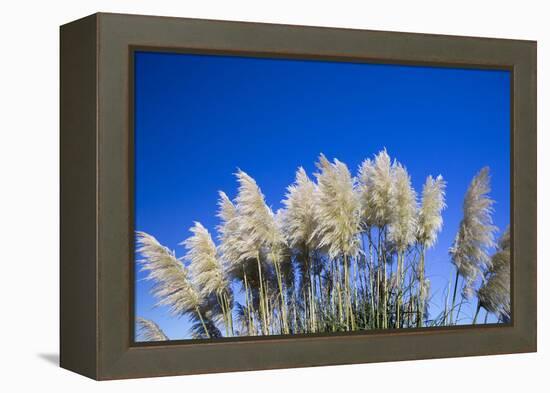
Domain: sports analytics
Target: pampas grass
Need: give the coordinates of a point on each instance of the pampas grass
(172, 284)
(299, 224)
(494, 293)
(402, 229)
(231, 245)
(430, 220)
(429, 225)
(336, 210)
(204, 264)
(475, 237)
(344, 253)
(299, 219)
(207, 270)
(263, 236)
(337, 213)
(150, 331)
(376, 184)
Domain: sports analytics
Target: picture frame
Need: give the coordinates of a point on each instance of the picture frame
(97, 200)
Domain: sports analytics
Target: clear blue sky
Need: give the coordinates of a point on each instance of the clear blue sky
(198, 118)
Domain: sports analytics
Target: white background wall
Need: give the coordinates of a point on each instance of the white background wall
(29, 184)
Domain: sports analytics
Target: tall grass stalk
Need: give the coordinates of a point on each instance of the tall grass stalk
(475, 237)
(430, 223)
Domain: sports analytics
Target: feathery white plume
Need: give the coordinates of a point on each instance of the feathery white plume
(279, 251)
(424, 289)
(257, 224)
(204, 264)
(475, 236)
(402, 230)
(172, 285)
(150, 331)
(337, 209)
(227, 212)
(231, 243)
(429, 216)
(299, 213)
(375, 188)
(494, 294)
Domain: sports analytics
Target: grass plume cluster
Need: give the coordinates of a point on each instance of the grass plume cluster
(345, 253)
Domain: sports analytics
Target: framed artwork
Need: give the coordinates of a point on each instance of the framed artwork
(240, 196)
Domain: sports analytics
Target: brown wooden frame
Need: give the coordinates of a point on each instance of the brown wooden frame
(97, 195)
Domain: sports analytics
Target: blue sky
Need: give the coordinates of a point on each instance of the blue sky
(199, 117)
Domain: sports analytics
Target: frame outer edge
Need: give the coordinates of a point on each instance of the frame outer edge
(527, 176)
(78, 197)
(116, 356)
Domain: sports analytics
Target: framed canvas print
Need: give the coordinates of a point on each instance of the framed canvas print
(241, 196)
